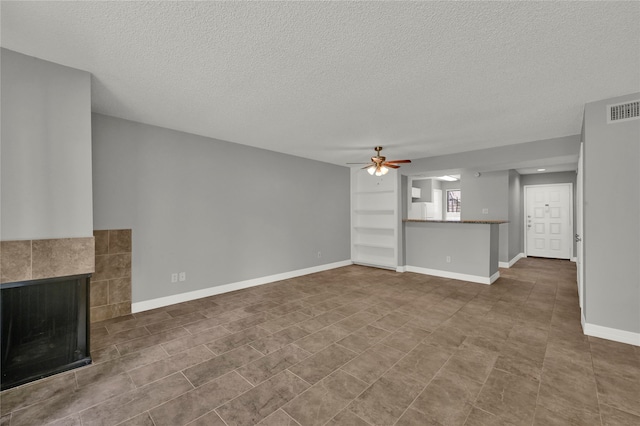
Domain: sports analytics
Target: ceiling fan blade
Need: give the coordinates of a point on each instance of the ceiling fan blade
(391, 165)
(398, 161)
(367, 166)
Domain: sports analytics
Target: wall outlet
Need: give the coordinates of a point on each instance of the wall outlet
(448, 259)
(319, 254)
(183, 276)
(174, 278)
(485, 211)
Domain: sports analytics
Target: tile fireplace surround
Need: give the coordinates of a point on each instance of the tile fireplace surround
(26, 260)
(111, 282)
(106, 255)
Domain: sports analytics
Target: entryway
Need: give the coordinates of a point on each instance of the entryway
(549, 220)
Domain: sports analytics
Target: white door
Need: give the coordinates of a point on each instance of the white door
(579, 227)
(548, 220)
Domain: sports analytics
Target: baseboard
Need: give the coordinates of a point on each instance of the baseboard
(574, 259)
(400, 269)
(512, 262)
(614, 334)
(225, 288)
(453, 275)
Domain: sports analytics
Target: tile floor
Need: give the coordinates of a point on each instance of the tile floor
(351, 346)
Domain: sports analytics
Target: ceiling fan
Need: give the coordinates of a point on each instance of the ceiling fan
(379, 164)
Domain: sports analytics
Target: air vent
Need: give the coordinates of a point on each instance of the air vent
(623, 112)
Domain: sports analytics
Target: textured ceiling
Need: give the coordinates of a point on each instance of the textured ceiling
(331, 80)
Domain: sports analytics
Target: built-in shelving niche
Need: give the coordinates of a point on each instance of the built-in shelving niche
(374, 219)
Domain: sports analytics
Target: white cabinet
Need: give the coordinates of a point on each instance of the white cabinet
(374, 219)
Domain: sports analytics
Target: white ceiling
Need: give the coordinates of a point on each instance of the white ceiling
(331, 80)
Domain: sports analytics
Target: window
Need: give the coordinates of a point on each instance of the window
(453, 201)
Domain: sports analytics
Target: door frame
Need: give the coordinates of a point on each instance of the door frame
(580, 227)
(571, 226)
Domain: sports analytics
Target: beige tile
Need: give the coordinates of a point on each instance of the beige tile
(143, 419)
(321, 402)
(238, 339)
(167, 366)
(101, 242)
(321, 321)
(619, 393)
(321, 339)
(356, 321)
(347, 418)
(546, 417)
(119, 290)
(612, 416)
(447, 399)
(509, 397)
(151, 340)
(62, 257)
(406, 338)
(385, 400)
(262, 369)
(363, 338)
(119, 241)
(323, 363)
(423, 362)
(99, 293)
(472, 363)
(59, 407)
(32, 393)
(182, 343)
(279, 418)
(220, 365)
(119, 265)
(277, 324)
(198, 402)
(130, 404)
(210, 419)
(101, 266)
(261, 401)
(15, 261)
(373, 363)
(247, 322)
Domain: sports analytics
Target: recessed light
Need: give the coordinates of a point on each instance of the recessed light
(541, 170)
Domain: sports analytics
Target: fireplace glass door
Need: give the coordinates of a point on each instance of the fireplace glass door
(44, 328)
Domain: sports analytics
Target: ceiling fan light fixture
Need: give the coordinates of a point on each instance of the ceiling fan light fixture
(371, 170)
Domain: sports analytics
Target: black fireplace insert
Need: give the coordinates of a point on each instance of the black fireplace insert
(45, 328)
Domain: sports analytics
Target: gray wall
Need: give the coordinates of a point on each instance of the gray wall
(426, 186)
(469, 245)
(527, 154)
(219, 211)
(611, 218)
(46, 150)
(516, 227)
(490, 190)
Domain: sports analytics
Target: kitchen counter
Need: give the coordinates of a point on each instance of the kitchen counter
(467, 251)
(487, 222)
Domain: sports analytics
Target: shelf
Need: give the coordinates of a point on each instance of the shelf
(382, 246)
(375, 228)
(387, 191)
(374, 211)
(375, 264)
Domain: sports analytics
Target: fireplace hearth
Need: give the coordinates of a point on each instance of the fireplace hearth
(45, 328)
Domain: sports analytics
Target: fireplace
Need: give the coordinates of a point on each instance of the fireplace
(45, 328)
